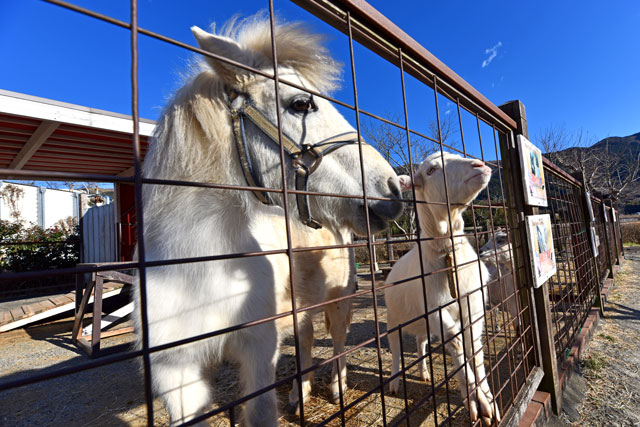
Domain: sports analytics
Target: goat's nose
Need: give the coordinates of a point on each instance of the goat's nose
(477, 164)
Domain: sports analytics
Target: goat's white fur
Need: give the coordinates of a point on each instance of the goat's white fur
(497, 256)
(194, 142)
(405, 301)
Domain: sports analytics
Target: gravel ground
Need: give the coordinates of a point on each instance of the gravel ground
(605, 389)
(113, 395)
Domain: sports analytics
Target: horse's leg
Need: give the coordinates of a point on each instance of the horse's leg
(183, 388)
(257, 352)
(337, 319)
(305, 341)
(422, 341)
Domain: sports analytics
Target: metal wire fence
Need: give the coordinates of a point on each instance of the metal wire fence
(467, 299)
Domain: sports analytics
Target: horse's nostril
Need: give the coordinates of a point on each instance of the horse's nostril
(393, 187)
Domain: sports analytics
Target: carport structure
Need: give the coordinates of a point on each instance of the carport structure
(46, 139)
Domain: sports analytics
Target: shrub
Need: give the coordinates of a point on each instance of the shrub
(630, 232)
(32, 248)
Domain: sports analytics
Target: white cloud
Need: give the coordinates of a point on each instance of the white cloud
(492, 52)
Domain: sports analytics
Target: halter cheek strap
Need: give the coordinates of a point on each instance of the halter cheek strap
(305, 158)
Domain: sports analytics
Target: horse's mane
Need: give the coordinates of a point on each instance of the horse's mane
(296, 48)
(192, 141)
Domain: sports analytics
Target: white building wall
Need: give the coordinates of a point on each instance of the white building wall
(41, 206)
(58, 205)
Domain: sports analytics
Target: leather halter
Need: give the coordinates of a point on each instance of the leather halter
(298, 153)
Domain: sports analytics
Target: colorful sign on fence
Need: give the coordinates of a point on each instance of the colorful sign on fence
(543, 257)
(535, 193)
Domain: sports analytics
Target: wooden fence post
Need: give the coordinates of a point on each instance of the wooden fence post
(541, 313)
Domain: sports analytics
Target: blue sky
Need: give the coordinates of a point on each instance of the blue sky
(573, 63)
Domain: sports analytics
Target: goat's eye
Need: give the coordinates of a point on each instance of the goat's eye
(431, 170)
(303, 105)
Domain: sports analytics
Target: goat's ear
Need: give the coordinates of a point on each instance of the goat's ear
(226, 47)
(405, 183)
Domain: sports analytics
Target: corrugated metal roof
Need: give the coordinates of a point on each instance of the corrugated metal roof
(46, 135)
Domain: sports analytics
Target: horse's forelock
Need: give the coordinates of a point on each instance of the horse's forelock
(296, 48)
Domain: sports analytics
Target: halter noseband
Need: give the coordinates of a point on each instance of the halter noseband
(296, 152)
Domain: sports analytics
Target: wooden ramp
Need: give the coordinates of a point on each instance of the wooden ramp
(47, 307)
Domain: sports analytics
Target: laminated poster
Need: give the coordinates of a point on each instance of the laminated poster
(595, 241)
(590, 206)
(543, 257)
(533, 173)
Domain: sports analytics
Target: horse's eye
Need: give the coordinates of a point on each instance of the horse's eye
(303, 105)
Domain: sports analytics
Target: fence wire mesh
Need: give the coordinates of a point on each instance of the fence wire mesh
(463, 300)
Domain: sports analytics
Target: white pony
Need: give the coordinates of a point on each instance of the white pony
(219, 128)
(406, 300)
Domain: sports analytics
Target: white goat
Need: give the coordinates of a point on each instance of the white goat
(496, 254)
(465, 179)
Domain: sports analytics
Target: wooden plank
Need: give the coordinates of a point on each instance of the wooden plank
(116, 276)
(97, 314)
(46, 305)
(110, 318)
(54, 311)
(113, 333)
(38, 138)
(5, 317)
(28, 310)
(58, 300)
(82, 308)
(17, 313)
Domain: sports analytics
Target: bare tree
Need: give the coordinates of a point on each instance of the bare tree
(618, 170)
(391, 142)
(602, 169)
(587, 163)
(552, 140)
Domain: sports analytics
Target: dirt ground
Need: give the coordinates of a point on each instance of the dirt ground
(605, 388)
(113, 395)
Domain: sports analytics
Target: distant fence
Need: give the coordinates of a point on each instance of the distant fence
(99, 234)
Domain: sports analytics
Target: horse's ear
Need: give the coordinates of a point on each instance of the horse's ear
(226, 47)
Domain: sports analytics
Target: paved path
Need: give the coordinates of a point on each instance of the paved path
(605, 389)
